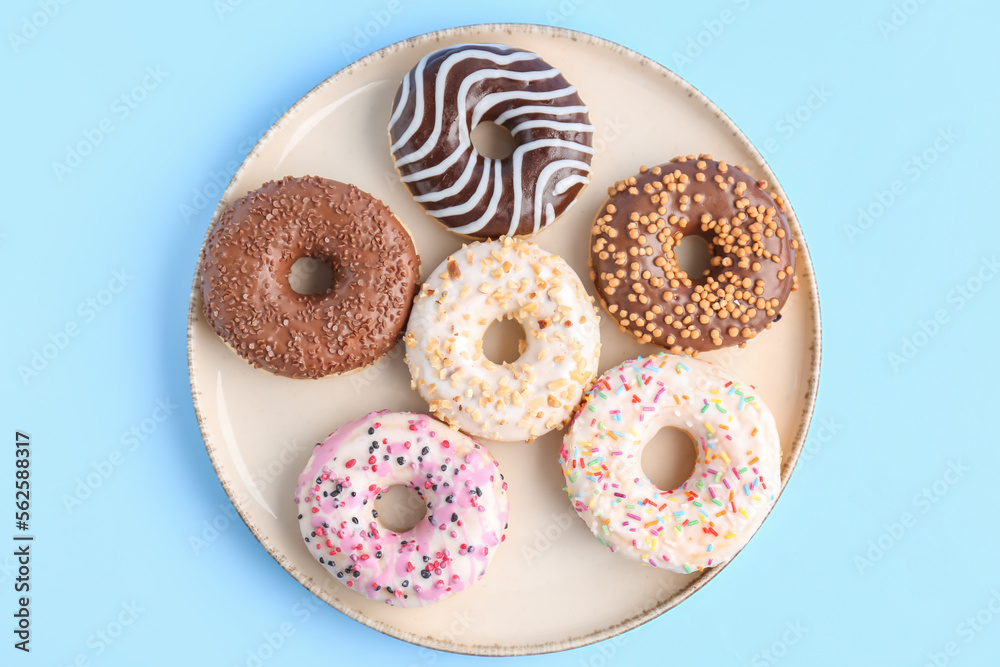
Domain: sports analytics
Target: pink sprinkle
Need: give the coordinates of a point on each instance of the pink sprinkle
(726, 482)
(620, 495)
(633, 516)
(711, 491)
(736, 473)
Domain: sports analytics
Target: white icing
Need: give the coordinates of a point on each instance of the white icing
(553, 111)
(491, 208)
(543, 213)
(441, 77)
(463, 93)
(543, 180)
(696, 525)
(552, 124)
(510, 401)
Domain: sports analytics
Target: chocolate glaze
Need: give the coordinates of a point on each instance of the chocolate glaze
(635, 270)
(249, 255)
(558, 128)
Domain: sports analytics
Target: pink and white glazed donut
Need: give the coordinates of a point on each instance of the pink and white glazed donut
(736, 477)
(446, 552)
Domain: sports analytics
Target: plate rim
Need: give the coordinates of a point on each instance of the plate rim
(807, 279)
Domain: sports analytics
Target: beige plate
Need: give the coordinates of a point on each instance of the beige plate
(259, 428)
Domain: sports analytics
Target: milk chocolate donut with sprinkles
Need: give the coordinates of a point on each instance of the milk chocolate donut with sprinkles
(634, 266)
(251, 305)
(446, 552)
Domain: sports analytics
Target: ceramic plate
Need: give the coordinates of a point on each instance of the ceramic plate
(259, 429)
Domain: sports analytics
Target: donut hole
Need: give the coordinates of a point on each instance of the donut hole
(504, 341)
(492, 140)
(400, 508)
(668, 458)
(309, 275)
(694, 256)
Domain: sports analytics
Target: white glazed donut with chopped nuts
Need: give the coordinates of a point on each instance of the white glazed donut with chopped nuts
(476, 286)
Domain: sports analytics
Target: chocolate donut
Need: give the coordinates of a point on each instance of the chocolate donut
(449, 93)
(635, 270)
(251, 305)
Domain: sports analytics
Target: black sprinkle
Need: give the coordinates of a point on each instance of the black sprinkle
(354, 519)
(454, 517)
(400, 460)
(425, 451)
(371, 431)
(425, 574)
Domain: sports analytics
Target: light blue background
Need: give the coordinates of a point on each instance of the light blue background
(886, 80)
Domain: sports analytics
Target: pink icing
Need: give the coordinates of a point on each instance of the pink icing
(447, 551)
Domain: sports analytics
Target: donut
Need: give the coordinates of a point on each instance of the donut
(250, 304)
(635, 270)
(736, 477)
(446, 552)
(471, 289)
(449, 93)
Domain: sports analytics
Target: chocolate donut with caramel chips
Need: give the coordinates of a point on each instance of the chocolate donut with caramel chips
(634, 264)
(250, 303)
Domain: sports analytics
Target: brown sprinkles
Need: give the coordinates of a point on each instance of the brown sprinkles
(252, 307)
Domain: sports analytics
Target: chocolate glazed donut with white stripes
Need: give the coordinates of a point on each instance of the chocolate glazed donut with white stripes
(450, 92)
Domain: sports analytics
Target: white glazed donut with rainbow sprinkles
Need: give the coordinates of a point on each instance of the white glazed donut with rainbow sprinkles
(736, 477)
(446, 551)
